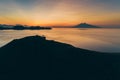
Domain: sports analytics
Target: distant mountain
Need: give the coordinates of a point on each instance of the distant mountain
(21, 27)
(85, 25)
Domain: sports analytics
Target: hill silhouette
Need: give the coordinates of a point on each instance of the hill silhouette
(35, 58)
(85, 25)
(21, 27)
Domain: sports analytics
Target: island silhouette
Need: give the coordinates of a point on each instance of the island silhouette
(21, 27)
(35, 58)
(85, 25)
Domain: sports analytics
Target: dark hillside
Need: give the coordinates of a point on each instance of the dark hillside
(35, 58)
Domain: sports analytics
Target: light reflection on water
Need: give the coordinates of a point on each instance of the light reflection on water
(104, 40)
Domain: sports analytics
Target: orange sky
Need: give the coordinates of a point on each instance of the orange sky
(60, 13)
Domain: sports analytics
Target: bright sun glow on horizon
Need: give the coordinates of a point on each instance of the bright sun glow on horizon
(60, 12)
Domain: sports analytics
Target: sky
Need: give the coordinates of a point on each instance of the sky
(104, 13)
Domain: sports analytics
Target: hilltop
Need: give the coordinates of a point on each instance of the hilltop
(35, 58)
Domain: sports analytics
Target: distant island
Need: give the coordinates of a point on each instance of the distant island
(21, 27)
(85, 25)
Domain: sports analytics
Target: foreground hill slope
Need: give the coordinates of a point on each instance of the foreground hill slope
(35, 58)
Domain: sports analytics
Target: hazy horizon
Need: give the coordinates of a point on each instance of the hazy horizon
(102, 13)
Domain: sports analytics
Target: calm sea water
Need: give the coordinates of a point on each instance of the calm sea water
(104, 40)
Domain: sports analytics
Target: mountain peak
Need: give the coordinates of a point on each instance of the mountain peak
(85, 25)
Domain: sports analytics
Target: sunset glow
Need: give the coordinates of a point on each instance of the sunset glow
(60, 12)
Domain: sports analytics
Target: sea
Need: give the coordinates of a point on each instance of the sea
(100, 39)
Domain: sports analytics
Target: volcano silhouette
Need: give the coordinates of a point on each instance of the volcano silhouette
(85, 25)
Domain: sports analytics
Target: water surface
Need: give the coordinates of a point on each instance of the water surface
(104, 40)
